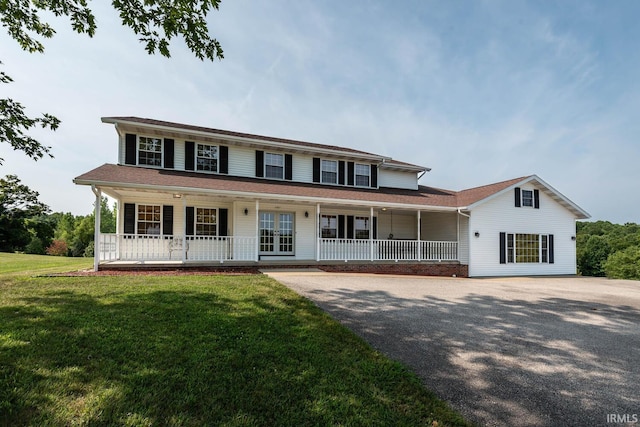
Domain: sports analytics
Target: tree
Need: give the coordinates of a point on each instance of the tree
(157, 22)
(17, 204)
(624, 264)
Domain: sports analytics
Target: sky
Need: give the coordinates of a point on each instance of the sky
(478, 91)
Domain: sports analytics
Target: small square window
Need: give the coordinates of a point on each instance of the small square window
(149, 151)
(207, 158)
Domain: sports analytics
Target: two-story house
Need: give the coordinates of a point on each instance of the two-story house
(193, 196)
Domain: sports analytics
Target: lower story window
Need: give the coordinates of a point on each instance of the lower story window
(527, 248)
(361, 227)
(329, 226)
(206, 222)
(149, 219)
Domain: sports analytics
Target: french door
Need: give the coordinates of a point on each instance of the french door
(276, 233)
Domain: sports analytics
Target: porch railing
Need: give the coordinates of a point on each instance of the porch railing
(121, 247)
(387, 250)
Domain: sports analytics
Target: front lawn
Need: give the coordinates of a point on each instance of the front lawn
(191, 350)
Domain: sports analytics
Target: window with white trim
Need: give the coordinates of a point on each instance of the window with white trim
(149, 151)
(274, 165)
(362, 227)
(206, 158)
(329, 226)
(206, 222)
(149, 219)
(527, 198)
(329, 171)
(363, 175)
(527, 248)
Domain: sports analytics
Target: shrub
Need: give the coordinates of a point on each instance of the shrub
(88, 251)
(35, 247)
(58, 248)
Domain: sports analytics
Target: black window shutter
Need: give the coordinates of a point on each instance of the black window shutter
(517, 197)
(536, 199)
(288, 167)
(350, 230)
(190, 221)
(259, 164)
(316, 169)
(130, 142)
(375, 227)
(374, 176)
(168, 153)
(129, 218)
(503, 248)
(551, 255)
(340, 226)
(167, 219)
(223, 163)
(223, 221)
(351, 170)
(189, 155)
(341, 173)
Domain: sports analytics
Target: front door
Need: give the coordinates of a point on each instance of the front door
(276, 233)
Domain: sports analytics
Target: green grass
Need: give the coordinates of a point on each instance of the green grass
(21, 264)
(190, 350)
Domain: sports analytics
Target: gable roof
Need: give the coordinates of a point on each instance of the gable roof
(475, 197)
(251, 139)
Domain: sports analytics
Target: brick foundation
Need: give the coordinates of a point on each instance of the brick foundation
(402, 268)
(420, 269)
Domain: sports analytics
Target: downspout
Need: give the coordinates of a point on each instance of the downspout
(96, 231)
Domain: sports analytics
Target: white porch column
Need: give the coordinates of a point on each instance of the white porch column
(419, 235)
(185, 244)
(96, 225)
(371, 233)
(257, 231)
(317, 232)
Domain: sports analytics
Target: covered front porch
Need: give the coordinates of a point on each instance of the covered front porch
(186, 229)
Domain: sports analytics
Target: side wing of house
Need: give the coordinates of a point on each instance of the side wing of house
(526, 229)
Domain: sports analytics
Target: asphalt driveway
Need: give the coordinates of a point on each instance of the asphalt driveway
(512, 351)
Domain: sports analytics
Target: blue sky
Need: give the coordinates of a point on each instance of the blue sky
(479, 91)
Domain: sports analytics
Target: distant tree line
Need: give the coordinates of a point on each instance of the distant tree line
(606, 249)
(27, 225)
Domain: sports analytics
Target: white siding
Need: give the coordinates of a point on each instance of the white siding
(397, 179)
(500, 215)
(178, 155)
(121, 149)
(403, 226)
(439, 226)
(242, 161)
(463, 242)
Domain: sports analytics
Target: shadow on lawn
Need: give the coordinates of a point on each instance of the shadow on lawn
(552, 361)
(189, 358)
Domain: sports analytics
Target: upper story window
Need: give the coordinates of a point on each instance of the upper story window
(206, 221)
(149, 151)
(274, 165)
(363, 175)
(149, 219)
(207, 158)
(527, 198)
(329, 171)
